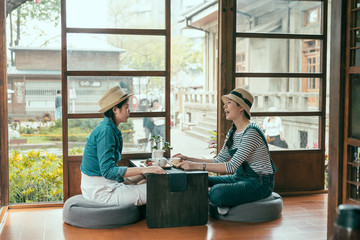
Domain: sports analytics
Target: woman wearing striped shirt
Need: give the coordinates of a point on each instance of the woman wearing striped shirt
(244, 158)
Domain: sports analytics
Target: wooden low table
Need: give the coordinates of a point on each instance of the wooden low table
(167, 206)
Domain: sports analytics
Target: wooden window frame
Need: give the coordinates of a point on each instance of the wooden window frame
(71, 176)
(4, 155)
(287, 160)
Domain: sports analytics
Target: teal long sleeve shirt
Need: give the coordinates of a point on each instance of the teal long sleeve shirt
(102, 151)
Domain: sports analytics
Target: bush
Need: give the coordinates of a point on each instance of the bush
(35, 177)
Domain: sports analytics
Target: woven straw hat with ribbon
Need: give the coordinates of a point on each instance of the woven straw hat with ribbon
(242, 97)
(111, 98)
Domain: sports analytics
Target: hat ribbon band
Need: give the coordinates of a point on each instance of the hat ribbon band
(124, 96)
(240, 96)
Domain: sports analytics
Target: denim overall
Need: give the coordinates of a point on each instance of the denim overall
(244, 186)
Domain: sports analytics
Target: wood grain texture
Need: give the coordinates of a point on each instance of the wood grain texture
(298, 171)
(4, 164)
(336, 107)
(181, 208)
(303, 217)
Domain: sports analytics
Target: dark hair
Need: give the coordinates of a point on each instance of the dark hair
(247, 115)
(230, 140)
(110, 114)
(57, 91)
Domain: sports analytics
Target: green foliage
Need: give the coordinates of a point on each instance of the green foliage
(77, 151)
(156, 143)
(47, 10)
(184, 56)
(84, 124)
(148, 53)
(213, 141)
(79, 130)
(35, 177)
(127, 130)
(28, 17)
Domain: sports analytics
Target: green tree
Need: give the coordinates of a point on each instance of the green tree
(11, 5)
(148, 53)
(44, 11)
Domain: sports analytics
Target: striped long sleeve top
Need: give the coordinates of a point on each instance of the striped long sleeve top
(250, 148)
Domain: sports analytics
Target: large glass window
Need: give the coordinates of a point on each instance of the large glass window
(280, 57)
(34, 122)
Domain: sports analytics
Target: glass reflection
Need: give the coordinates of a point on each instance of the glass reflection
(111, 52)
(85, 91)
(355, 106)
(302, 17)
(286, 94)
(139, 14)
(135, 135)
(278, 55)
(290, 133)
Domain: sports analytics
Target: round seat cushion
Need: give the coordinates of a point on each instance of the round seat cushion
(259, 211)
(82, 213)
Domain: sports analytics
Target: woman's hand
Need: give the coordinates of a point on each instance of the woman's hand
(187, 165)
(138, 179)
(154, 169)
(179, 155)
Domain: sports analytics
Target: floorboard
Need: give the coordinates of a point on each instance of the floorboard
(303, 217)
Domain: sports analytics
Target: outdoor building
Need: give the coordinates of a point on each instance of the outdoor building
(252, 55)
(35, 77)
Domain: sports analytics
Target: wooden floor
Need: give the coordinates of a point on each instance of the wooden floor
(303, 217)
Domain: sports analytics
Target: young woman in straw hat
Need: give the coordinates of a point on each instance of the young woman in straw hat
(102, 180)
(244, 159)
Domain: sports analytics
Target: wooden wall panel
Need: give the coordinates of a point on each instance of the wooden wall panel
(74, 175)
(298, 171)
(74, 178)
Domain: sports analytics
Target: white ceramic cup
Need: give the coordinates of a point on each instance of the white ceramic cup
(162, 162)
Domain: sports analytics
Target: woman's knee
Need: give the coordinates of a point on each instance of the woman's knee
(217, 196)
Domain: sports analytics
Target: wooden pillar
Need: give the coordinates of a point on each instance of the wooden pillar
(336, 116)
(226, 77)
(4, 163)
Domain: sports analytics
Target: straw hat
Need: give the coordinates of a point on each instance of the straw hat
(111, 98)
(242, 97)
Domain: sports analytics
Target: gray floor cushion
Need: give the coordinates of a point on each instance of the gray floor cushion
(260, 211)
(79, 212)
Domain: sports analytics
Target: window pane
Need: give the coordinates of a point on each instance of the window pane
(135, 135)
(194, 123)
(286, 94)
(33, 77)
(355, 53)
(355, 106)
(279, 55)
(97, 52)
(355, 19)
(302, 17)
(116, 14)
(283, 133)
(85, 92)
